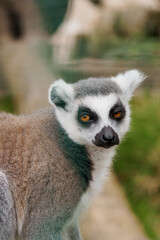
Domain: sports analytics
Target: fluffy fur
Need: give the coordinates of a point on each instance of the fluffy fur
(50, 165)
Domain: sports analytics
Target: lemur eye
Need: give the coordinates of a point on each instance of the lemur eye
(117, 115)
(118, 112)
(85, 118)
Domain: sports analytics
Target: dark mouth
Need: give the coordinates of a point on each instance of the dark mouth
(105, 145)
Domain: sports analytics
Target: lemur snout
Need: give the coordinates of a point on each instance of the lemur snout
(106, 138)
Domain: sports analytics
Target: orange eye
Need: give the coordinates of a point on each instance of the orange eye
(85, 118)
(117, 115)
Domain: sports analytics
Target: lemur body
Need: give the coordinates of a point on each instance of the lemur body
(53, 162)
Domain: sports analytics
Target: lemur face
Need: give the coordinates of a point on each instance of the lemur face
(101, 120)
(95, 111)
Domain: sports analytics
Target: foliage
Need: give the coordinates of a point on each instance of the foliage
(52, 12)
(138, 163)
(141, 50)
(6, 104)
(99, 45)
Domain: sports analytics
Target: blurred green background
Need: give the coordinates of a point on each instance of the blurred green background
(112, 43)
(138, 162)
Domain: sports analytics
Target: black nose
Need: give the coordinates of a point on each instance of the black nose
(108, 135)
(106, 138)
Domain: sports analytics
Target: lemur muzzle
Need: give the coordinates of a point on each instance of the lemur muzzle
(106, 138)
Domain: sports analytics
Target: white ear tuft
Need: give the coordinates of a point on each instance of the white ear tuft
(61, 94)
(129, 81)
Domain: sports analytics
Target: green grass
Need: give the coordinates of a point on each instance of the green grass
(138, 163)
(6, 104)
(146, 50)
(117, 48)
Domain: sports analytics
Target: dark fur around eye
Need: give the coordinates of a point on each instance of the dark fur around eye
(86, 111)
(118, 107)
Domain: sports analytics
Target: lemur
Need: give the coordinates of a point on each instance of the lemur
(53, 162)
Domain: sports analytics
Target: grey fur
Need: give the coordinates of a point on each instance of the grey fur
(7, 212)
(41, 177)
(72, 233)
(95, 86)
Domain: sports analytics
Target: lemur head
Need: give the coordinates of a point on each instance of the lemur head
(95, 111)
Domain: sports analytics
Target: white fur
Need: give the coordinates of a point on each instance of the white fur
(64, 91)
(129, 81)
(102, 160)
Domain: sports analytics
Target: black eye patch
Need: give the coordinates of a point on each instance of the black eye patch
(83, 112)
(118, 112)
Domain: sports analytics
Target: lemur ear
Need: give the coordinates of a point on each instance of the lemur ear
(61, 94)
(129, 81)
